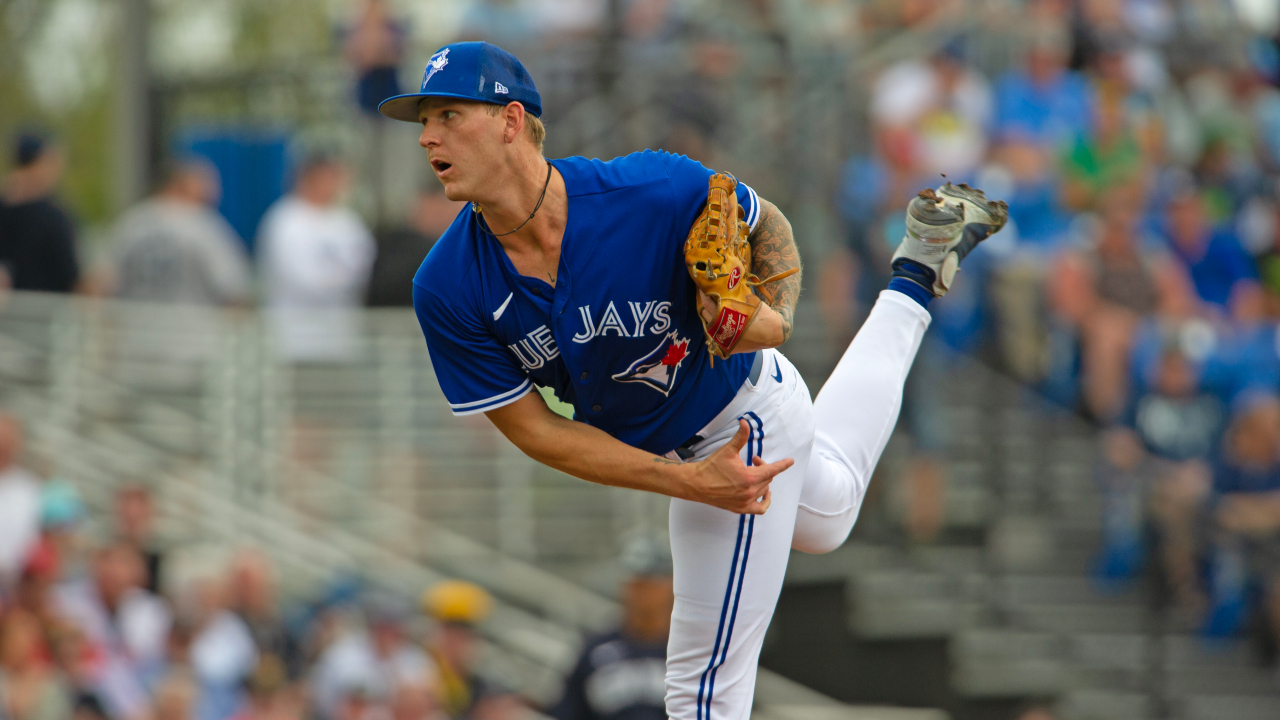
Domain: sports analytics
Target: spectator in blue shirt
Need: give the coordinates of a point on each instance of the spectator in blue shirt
(1246, 515)
(869, 200)
(1043, 101)
(1042, 108)
(1213, 257)
(1158, 459)
(1247, 352)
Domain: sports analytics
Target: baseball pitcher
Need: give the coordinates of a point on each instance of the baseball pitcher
(650, 293)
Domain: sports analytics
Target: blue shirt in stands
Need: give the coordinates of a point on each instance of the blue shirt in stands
(1053, 114)
(1231, 478)
(1245, 358)
(1217, 268)
(618, 336)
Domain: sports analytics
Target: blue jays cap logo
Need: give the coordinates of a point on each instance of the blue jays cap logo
(435, 65)
(658, 368)
(477, 71)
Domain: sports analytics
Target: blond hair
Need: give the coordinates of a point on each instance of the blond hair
(533, 127)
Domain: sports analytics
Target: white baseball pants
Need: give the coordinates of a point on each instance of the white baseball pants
(729, 568)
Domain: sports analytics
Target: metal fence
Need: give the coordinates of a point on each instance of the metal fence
(355, 468)
(336, 443)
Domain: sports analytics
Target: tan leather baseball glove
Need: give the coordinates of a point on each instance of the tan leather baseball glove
(718, 257)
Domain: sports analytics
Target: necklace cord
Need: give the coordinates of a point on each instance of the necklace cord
(484, 224)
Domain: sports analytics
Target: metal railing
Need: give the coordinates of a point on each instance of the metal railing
(333, 442)
(117, 392)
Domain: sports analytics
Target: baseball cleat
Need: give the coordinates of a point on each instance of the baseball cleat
(934, 227)
(943, 227)
(982, 217)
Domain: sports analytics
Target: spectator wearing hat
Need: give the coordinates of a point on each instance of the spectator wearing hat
(37, 237)
(60, 550)
(621, 675)
(367, 665)
(458, 607)
(316, 256)
(88, 707)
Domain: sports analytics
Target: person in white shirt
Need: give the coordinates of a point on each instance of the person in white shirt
(946, 105)
(222, 654)
(125, 627)
(371, 663)
(316, 257)
(19, 503)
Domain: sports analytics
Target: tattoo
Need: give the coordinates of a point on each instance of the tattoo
(773, 250)
(665, 461)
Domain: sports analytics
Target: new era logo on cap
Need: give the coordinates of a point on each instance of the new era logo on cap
(469, 71)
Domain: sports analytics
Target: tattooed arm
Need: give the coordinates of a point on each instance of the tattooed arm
(773, 250)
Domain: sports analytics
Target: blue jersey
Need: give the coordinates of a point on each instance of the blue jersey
(618, 336)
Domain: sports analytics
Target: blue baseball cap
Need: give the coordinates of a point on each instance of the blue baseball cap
(469, 71)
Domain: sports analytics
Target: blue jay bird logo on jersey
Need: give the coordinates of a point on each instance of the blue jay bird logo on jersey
(658, 368)
(435, 65)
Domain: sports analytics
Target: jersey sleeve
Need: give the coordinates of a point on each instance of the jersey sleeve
(475, 371)
(689, 178)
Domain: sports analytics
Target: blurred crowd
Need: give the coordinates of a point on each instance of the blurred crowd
(100, 619)
(1138, 281)
(124, 628)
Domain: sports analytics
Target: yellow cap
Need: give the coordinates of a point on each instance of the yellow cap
(457, 601)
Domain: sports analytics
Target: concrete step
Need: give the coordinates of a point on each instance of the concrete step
(913, 604)
(1079, 618)
(1103, 705)
(1038, 677)
(1190, 652)
(1006, 645)
(1111, 652)
(1021, 590)
(1229, 707)
(1212, 680)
